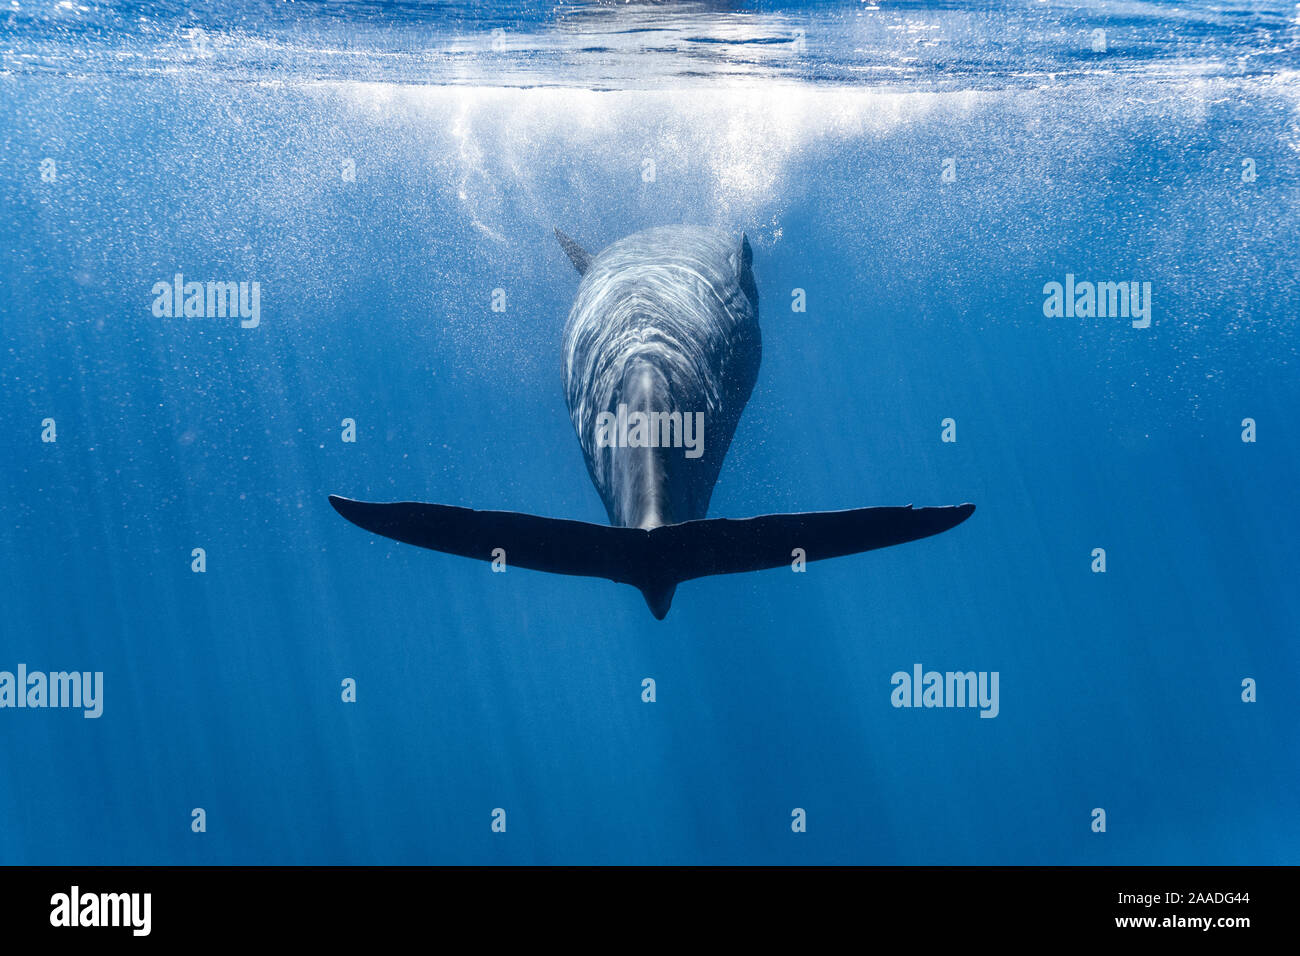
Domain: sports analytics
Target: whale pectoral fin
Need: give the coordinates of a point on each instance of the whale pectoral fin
(745, 270)
(580, 258)
(696, 549)
(528, 541)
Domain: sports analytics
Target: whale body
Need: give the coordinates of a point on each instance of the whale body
(665, 322)
(660, 353)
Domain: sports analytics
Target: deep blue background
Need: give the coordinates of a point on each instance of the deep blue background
(522, 690)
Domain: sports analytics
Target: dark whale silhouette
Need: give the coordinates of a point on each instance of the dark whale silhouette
(660, 353)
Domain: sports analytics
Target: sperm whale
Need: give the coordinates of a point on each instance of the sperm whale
(660, 353)
(665, 323)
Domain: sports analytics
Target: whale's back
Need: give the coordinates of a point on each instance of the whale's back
(666, 320)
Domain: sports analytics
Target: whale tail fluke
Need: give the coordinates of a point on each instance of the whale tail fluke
(654, 561)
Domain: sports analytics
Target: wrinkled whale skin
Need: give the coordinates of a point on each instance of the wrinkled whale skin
(665, 320)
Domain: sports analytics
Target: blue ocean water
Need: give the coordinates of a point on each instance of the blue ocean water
(387, 172)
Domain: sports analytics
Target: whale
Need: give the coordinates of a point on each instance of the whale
(659, 356)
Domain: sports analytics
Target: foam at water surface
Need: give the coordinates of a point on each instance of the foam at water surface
(599, 45)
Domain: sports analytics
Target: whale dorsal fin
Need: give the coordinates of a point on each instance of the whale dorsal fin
(579, 256)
